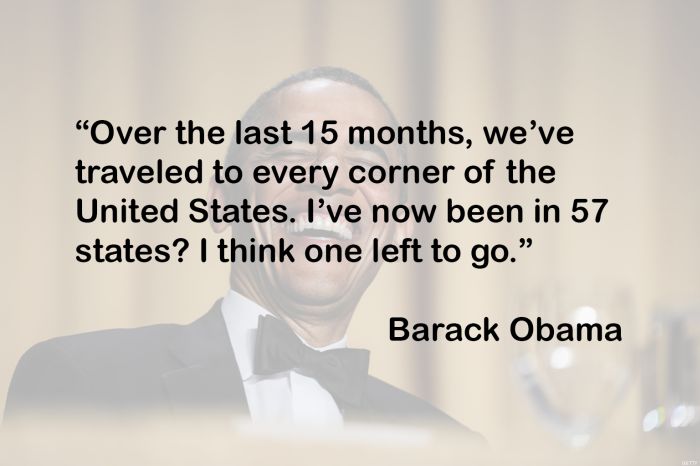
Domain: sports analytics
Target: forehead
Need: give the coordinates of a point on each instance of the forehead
(324, 99)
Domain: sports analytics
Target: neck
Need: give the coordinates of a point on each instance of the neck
(318, 326)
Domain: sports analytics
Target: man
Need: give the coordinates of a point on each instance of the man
(274, 347)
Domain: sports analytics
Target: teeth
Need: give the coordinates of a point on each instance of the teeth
(320, 223)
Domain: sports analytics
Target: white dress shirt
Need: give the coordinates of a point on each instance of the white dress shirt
(285, 397)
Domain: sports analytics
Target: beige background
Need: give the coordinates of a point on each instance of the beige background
(623, 74)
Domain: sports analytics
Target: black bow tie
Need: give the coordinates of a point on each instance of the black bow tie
(342, 372)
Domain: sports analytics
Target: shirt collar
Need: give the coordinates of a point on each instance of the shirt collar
(241, 317)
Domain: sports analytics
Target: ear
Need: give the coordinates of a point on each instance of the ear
(403, 230)
(216, 193)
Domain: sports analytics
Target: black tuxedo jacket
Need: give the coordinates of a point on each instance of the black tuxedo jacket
(167, 367)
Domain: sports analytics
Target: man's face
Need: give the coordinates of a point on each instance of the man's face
(321, 284)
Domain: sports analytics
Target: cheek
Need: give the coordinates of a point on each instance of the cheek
(268, 193)
(375, 194)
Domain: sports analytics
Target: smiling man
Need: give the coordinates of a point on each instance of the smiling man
(274, 348)
(315, 299)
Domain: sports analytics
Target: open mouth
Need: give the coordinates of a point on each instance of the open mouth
(321, 228)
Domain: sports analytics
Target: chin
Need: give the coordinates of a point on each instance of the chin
(319, 291)
(320, 287)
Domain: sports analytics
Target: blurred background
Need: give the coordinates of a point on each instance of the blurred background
(623, 74)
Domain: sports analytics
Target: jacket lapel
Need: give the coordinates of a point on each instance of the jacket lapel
(209, 377)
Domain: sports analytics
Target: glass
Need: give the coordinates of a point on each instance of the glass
(574, 385)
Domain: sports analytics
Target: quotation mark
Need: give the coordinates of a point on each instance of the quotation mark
(84, 125)
(525, 242)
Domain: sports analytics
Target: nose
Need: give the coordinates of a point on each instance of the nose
(334, 165)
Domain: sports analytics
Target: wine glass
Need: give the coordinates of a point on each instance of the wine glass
(574, 385)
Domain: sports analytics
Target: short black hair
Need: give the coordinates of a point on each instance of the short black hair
(331, 73)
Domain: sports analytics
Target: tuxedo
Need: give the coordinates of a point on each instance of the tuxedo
(177, 368)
